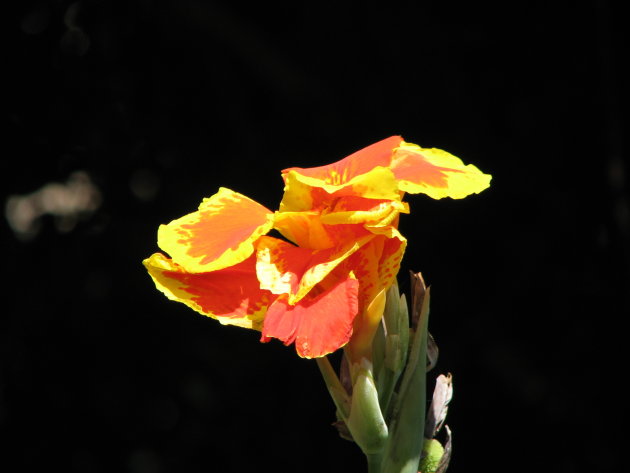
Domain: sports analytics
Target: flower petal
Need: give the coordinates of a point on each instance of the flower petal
(220, 234)
(389, 264)
(365, 173)
(305, 229)
(320, 229)
(436, 173)
(283, 268)
(356, 210)
(281, 265)
(298, 196)
(376, 183)
(231, 295)
(319, 324)
(375, 266)
(358, 163)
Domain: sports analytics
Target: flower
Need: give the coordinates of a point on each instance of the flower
(323, 288)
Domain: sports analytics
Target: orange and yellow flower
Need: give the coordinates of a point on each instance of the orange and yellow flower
(323, 287)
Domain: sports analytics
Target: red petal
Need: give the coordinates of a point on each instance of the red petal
(318, 324)
(232, 295)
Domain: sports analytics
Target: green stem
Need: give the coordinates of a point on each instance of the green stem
(375, 460)
(404, 445)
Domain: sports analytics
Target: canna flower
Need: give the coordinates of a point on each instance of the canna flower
(323, 287)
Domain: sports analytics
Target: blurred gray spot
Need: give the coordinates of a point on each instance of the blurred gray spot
(144, 184)
(68, 202)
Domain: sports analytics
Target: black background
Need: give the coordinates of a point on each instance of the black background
(162, 102)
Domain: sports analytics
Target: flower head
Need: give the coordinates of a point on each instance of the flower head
(323, 288)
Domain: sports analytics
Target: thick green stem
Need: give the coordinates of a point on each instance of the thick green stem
(375, 460)
(404, 445)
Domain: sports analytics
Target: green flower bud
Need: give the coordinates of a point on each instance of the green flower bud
(432, 452)
(366, 422)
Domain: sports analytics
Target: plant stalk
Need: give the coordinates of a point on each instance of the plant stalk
(375, 461)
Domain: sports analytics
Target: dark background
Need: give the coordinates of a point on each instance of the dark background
(162, 102)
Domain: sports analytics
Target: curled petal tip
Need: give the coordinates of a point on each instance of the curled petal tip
(436, 173)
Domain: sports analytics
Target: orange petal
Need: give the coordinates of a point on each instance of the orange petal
(375, 266)
(389, 263)
(319, 324)
(320, 229)
(357, 210)
(298, 196)
(232, 295)
(358, 163)
(220, 234)
(300, 191)
(281, 265)
(364, 173)
(436, 173)
(365, 265)
(365, 326)
(283, 268)
(305, 229)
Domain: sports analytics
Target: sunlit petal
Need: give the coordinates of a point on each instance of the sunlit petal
(365, 173)
(375, 266)
(283, 268)
(281, 265)
(436, 173)
(393, 250)
(365, 326)
(377, 183)
(298, 196)
(320, 323)
(304, 229)
(324, 229)
(325, 287)
(352, 210)
(358, 163)
(230, 295)
(220, 234)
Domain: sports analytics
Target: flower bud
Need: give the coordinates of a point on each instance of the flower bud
(366, 422)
